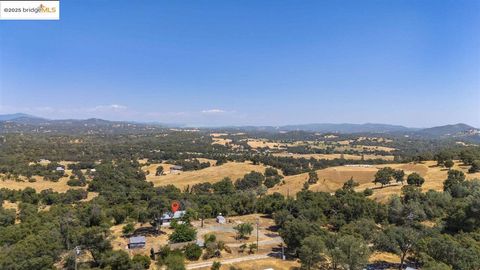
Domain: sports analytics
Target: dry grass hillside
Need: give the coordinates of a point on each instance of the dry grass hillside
(262, 143)
(38, 185)
(213, 174)
(334, 156)
(331, 179)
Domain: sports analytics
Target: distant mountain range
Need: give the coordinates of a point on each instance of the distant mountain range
(16, 116)
(348, 128)
(21, 122)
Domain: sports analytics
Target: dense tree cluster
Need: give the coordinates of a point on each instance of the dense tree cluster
(350, 226)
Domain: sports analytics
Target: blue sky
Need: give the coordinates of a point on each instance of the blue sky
(415, 63)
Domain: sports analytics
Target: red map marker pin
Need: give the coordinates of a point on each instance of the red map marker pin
(175, 206)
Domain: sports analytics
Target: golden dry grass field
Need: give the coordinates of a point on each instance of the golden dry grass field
(39, 185)
(384, 257)
(213, 174)
(345, 145)
(215, 135)
(374, 139)
(331, 179)
(10, 205)
(212, 162)
(334, 156)
(262, 264)
(221, 141)
(357, 147)
(257, 143)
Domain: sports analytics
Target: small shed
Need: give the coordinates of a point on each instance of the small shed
(221, 219)
(136, 242)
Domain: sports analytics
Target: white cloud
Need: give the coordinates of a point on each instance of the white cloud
(212, 111)
(107, 108)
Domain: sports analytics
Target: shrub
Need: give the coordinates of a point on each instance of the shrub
(243, 230)
(76, 183)
(193, 252)
(142, 260)
(216, 266)
(174, 261)
(128, 228)
(183, 233)
(368, 192)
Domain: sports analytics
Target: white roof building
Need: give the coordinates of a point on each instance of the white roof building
(169, 216)
(221, 219)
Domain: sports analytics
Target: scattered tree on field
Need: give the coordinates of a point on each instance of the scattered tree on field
(415, 179)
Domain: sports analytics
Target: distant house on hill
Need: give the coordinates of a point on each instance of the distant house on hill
(136, 242)
(176, 169)
(169, 216)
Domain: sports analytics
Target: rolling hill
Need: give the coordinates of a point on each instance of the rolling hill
(20, 122)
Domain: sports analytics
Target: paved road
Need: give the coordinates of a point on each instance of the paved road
(229, 261)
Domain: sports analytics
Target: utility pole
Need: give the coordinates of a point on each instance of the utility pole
(258, 221)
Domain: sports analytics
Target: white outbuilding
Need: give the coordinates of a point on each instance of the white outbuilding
(221, 219)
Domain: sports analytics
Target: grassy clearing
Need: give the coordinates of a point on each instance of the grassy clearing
(215, 135)
(331, 179)
(212, 162)
(221, 141)
(261, 264)
(334, 156)
(264, 143)
(10, 205)
(39, 184)
(234, 170)
(384, 257)
(119, 242)
(345, 145)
